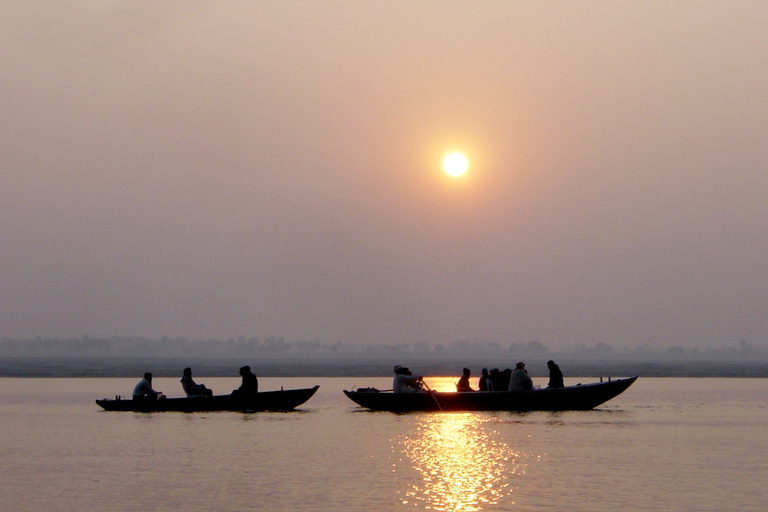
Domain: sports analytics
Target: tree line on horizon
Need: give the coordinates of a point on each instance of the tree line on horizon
(278, 348)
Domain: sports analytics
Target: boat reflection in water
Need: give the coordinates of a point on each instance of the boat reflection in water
(463, 463)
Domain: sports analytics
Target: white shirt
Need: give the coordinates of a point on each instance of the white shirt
(144, 388)
(520, 380)
(190, 387)
(406, 383)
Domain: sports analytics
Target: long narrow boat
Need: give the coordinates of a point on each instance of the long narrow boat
(282, 400)
(581, 397)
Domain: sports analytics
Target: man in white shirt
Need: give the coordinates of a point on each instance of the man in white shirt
(144, 391)
(405, 381)
(520, 381)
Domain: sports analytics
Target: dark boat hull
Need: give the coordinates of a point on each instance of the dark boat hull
(283, 400)
(571, 398)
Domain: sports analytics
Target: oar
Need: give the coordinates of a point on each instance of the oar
(433, 395)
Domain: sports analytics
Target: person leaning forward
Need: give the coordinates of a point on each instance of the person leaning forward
(555, 375)
(144, 391)
(405, 382)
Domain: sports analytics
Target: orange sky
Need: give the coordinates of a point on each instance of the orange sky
(274, 168)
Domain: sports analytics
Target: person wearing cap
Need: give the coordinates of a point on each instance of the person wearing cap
(485, 383)
(405, 382)
(519, 380)
(555, 375)
(463, 384)
(144, 391)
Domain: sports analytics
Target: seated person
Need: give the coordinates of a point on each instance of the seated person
(485, 383)
(519, 380)
(144, 391)
(191, 388)
(555, 375)
(250, 384)
(504, 377)
(463, 384)
(497, 380)
(405, 382)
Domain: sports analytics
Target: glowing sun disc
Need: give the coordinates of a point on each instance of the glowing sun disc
(455, 164)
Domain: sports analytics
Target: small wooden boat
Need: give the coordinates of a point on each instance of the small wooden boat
(282, 400)
(581, 397)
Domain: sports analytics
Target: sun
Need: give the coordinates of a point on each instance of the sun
(455, 164)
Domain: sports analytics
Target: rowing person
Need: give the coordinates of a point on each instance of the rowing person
(406, 382)
(144, 391)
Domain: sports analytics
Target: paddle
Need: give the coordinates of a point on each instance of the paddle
(433, 395)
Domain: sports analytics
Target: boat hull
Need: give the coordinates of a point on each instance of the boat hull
(571, 398)
(283, 400)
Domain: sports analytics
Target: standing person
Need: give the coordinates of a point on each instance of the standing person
(191, 388)
(250, 383)
(463, 384)
(406, 382)
(485, 383)
(519, 380)
(555, 375)
(144, 391)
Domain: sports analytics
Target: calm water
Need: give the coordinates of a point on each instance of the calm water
(666, 444)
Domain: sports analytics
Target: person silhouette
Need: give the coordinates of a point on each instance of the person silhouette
(191, 388)
(144, 391)
(463, 384)
(520, 381)
(250, 384)
(555, 375)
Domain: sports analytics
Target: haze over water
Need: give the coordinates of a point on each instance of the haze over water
(267, 169)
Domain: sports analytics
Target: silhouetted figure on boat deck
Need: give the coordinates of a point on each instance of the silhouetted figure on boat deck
(506, 376)
(485, 383)
(191, 388)
(144, 391)
(463, 384)
(406, 382)
(496, 380)
(250, 385)
(555, 375)
(520, 381)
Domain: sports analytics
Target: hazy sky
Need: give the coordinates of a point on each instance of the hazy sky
(216, 169)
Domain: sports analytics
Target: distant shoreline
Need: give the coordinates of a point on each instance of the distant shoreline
(38, 367)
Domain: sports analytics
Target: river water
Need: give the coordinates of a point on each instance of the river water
(665, 444)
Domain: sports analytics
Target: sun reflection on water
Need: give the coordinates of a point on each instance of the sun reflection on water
(462, 462)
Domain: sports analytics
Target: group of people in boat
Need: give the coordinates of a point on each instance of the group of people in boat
(144, 390)
(404, 382)
(495, 380)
